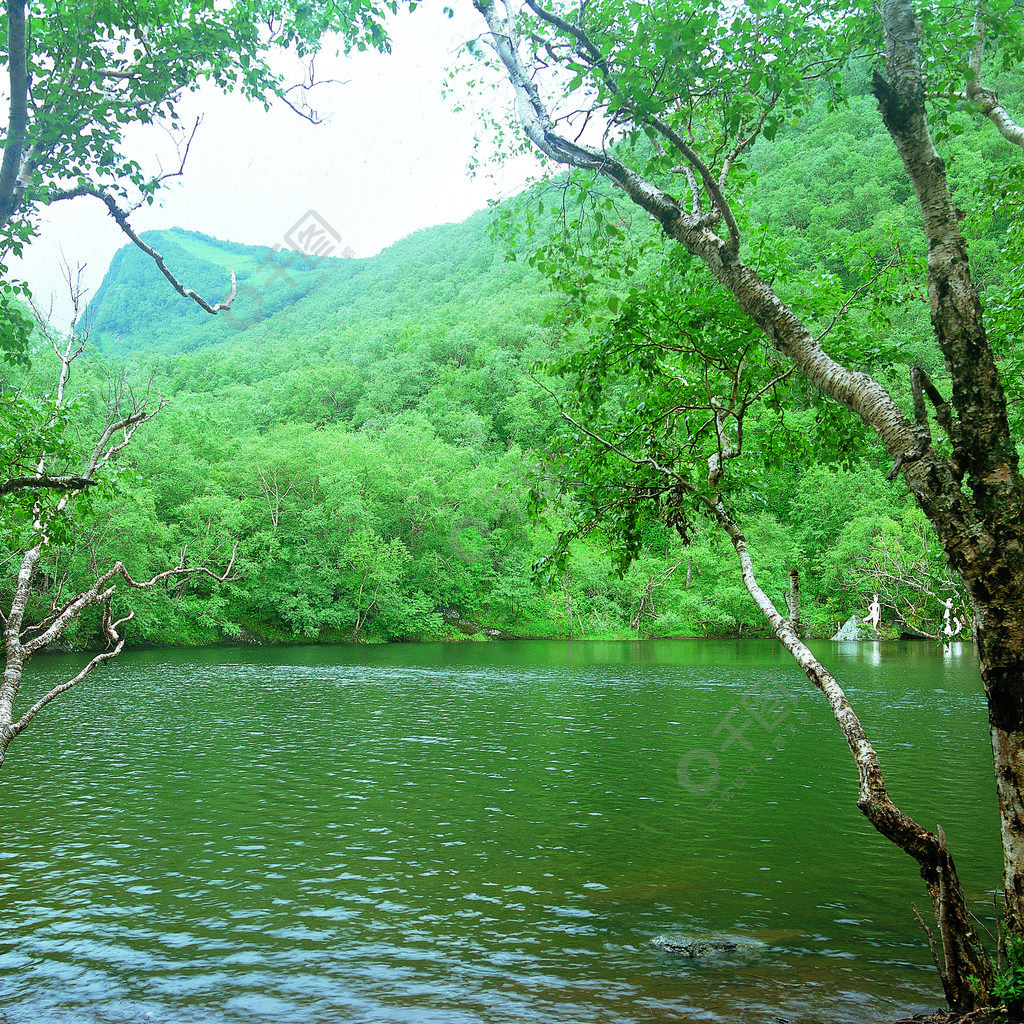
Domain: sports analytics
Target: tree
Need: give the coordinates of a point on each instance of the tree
(80, 74)
(24, 634)
(692, 383)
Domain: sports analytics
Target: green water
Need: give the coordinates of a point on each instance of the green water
(481, 833)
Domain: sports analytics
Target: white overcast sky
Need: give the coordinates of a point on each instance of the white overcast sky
(390, 158)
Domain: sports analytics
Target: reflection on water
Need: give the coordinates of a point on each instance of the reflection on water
(482, 833)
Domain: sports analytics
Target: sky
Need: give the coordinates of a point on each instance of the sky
(390, 158)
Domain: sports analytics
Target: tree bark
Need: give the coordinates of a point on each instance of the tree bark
(987, 99)
(990, 555)
(793, 600)
(17, 119)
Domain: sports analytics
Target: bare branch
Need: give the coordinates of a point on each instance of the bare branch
(310, 82)
(56, 691)
(303, 109)
(100, 593)
(698, 206)
(103, 590)
(726, 449)
(747, 141)
(122, 221)
(180, 570)
(714, 188)
(587, 47)
(184, 151)
(652, 463)
(921, 382)
(767, 387)
(930, 937)
(893, 261)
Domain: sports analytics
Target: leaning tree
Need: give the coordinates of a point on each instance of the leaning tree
(665, 101)
(58, 473)
(81, 76)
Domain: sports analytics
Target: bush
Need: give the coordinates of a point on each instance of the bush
(1009, 986)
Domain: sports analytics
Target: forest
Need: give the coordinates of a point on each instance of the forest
(383, 438)
(744, 362)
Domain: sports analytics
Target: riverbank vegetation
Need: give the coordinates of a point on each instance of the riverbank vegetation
(383, 438)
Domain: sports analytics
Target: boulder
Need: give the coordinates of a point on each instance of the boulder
(695, 948)
(856, 629)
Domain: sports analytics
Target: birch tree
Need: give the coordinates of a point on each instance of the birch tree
(68, 475)
(664, 102)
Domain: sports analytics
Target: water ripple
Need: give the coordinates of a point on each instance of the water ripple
(477, 834)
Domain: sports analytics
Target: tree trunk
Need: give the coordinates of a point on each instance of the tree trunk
(989, 553)
(793, 600)
(1005, 715)
(965, 969)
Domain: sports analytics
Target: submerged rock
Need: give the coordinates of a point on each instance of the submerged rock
(696, 948)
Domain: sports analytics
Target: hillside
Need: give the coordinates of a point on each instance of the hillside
(371, 432)
(366, 432)
(135, 310)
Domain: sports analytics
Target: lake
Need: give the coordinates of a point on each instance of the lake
(483, 834)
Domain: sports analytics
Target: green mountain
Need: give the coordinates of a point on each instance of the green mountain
(370, 432)
(361, 427)
(337, 340)
(135, 309)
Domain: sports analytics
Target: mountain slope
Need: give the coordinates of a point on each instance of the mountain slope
(134, 308)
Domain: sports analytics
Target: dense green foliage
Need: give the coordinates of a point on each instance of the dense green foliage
(1009, 987)
(369, 431)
